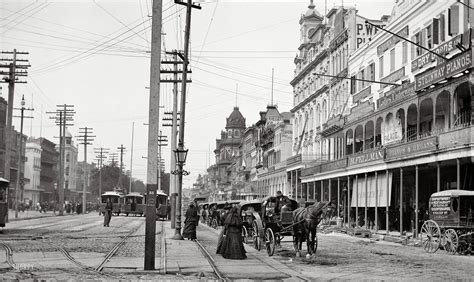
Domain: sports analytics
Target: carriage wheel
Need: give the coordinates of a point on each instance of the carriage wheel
(214, 223)
(270, 241)
(430, 236)
(245, 234)
(451, 240)
(464, 247)
(257, 241)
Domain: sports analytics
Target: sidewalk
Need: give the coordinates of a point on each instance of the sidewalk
(27, 214)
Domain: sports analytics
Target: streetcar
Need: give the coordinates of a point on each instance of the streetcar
(3, 201)
(134, 203)
(163, 207)
(116, 198)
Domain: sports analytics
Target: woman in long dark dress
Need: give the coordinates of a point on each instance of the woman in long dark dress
(232, 246)
(190, 222)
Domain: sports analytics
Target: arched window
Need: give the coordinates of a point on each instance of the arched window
(442, 111)
(369, 135)
(349, 142)
(359, 139)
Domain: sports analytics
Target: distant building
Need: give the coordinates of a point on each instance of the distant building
(48, 173)
(226, 154)
(32, 189)
(70, 168)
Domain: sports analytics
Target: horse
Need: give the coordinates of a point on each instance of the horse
(305, 222)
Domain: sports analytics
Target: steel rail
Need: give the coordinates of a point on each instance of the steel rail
(211, 261)
(114, 250)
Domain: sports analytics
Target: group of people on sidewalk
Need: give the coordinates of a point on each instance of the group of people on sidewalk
(230, 244)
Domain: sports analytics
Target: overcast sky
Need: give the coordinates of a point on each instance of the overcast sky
(93, 55)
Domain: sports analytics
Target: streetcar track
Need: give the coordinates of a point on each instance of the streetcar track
(113, 251)
(8, 254)
(211, 261)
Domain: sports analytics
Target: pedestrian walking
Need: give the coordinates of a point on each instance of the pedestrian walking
(231, 245)
(190, 222)
(108, 212)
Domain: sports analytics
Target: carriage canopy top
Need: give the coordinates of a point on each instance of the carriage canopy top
(4, 180)
(453, 193)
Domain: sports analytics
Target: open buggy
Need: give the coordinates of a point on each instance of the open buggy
(451, 223)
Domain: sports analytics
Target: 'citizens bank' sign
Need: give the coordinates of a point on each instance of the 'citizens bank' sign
(444, 70)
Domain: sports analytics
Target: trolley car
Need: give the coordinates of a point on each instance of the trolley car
(451, 223)
(116, 199)
(162, 206)
(3, 201)
(134, 204)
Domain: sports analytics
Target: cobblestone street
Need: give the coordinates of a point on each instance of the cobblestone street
(40, 250)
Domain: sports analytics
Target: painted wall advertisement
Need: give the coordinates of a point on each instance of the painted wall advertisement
(377, 195)
(392, 130)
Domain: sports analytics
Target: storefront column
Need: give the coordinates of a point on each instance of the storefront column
(348, 200)
(296, 184)
(387, 203)
(458, 174)
(416, 201)
(307, 191)
(291, 184)
(438, 177)
(401, 200)
(357, 200)
(322, 190)
(329, 190)
(376, 203)
(365, 211)
(338, 196)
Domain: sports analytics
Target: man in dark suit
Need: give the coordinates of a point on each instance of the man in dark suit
(282, 202)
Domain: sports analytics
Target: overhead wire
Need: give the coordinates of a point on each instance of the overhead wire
(34, 11)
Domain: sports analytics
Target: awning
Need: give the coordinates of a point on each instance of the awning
(382, 191)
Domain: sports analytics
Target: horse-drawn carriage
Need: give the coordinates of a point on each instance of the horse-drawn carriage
(266, 226)
(451, 223)
(217, 210)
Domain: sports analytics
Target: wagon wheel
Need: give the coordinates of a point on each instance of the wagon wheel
(451, 241)
(245, 234)
(464, 247)
(270, 241)
(430, 236)
(257, 241)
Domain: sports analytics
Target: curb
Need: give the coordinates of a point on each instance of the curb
(35, 217)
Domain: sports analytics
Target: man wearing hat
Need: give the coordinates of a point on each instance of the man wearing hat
(282, 203)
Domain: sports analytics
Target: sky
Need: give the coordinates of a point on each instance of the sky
(95, 55)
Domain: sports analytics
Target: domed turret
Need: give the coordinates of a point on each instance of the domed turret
(235, 120)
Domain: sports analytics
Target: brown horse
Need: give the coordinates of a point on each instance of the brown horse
(305, 222)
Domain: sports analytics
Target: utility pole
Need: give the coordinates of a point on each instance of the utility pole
(153, 134)
(86, 140)
(20, 181)
(162, 138)
(189, 6)
(101, 155)
(174, 126)
(121, 148)
(63, 117)
(113, 157)
(15, 71)
(131, 160)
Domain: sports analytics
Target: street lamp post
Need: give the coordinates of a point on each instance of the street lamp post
(180, 155)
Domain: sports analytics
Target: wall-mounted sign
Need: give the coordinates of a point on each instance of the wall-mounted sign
(362, 94)
(406, 150)
(365, 32)
(338, 164)
(455, 65)
(442, 49)
(394, 76)
(398, 93)
(371, 156)
(392, 130)
(392, 41)
(310, 171)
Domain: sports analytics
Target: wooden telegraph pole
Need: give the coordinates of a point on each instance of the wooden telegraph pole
(20, 181)
(14, 70)
(86, 140)
(189, 6)
(101, 155)
(153, 134)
